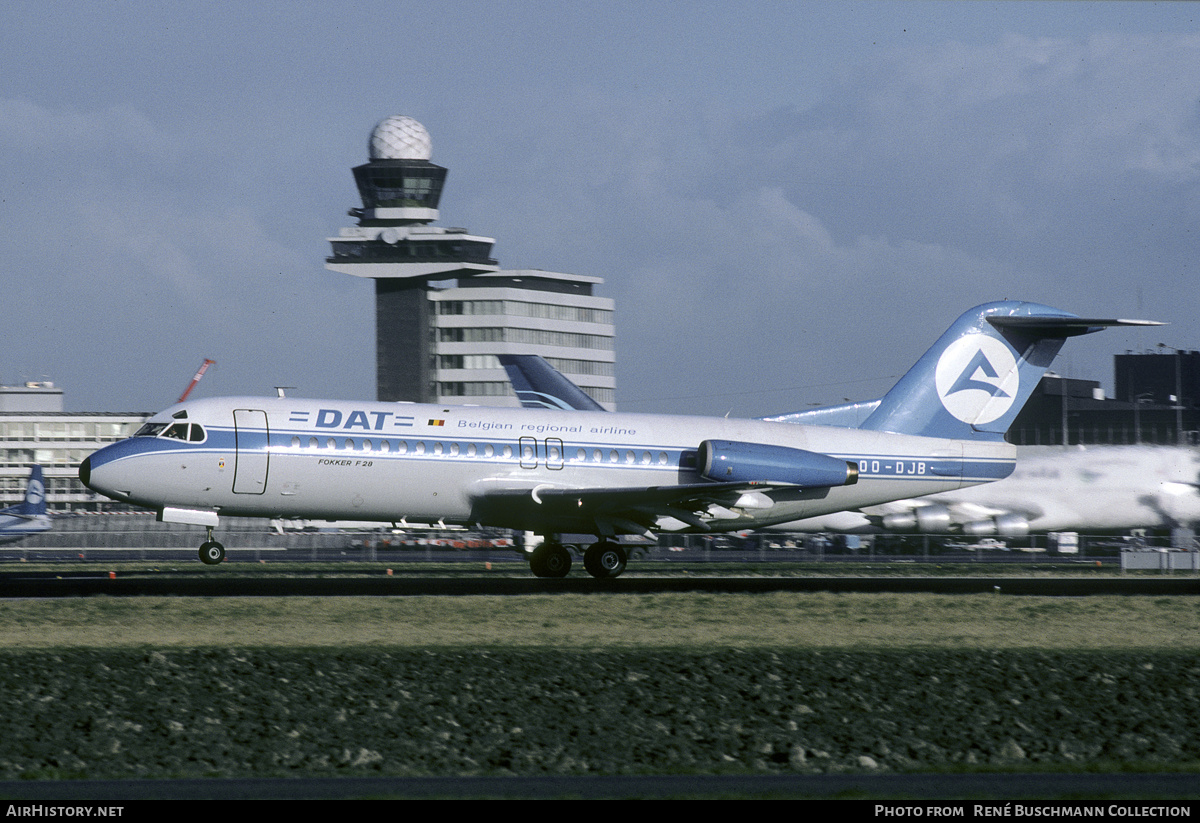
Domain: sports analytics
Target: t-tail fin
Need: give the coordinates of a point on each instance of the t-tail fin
(977, 377)
(540, 386)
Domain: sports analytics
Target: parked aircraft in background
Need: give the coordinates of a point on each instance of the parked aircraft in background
(1093, 488)
(551, 472)
(29, 516)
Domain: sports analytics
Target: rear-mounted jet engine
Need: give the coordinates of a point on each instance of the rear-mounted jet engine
(733, 461)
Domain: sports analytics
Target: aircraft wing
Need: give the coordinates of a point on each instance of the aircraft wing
(612, 511)
(19, 516)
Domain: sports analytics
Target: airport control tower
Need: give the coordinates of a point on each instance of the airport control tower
(443, 307)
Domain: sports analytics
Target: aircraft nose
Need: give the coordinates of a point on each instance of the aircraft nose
(85, 471)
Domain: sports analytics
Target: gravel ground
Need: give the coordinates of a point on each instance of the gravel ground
(231, 712)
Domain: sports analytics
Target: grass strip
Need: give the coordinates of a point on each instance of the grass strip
(785, 620)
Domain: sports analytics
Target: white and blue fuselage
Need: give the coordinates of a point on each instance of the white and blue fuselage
(321, 459)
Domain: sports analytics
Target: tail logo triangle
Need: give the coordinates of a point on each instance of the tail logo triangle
(977, 378)
(35, 493)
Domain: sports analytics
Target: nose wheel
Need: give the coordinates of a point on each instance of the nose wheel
(211, 552)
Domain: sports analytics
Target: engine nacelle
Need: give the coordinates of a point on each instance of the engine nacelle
(1012, 525)
(1006, 525)
(729, 460)
(900, 522)
(922, 520)
(933, 519)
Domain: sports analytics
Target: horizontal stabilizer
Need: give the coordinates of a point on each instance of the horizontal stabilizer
(1062, 326)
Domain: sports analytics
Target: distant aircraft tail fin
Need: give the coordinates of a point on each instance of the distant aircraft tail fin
(540, 386)
(34, 503)
(977, 377)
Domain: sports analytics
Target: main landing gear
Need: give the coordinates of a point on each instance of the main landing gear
(603, 559)
(211, 552)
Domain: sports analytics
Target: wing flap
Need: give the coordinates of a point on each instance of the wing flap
(608, 511)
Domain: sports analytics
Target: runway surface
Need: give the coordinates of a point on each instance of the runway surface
(215, 583)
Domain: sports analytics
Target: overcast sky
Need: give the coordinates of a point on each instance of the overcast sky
(788, 201)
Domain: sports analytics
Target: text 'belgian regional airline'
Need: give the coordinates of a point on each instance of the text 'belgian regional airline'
(553, 471)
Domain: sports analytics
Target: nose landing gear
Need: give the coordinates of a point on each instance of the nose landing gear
(211, 552)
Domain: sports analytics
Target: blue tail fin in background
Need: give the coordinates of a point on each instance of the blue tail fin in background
(540, 386)
(977, 377)
(34, 503)
(29, 516)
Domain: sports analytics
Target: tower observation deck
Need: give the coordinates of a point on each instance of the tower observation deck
(443, 307)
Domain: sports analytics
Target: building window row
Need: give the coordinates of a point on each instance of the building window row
(490, 361)
(601, 394)
(593, 368)
(413, 251)
(519, 308)
(44, 430)
(44, 457)
(12, 489)
(539, 337)
(468, 361)
(482, 388)
(489, 388)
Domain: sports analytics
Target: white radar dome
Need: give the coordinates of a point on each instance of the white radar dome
(400, 138)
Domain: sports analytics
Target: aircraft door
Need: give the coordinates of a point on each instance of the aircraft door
(529, 452)
(252, 459)
(554, 453)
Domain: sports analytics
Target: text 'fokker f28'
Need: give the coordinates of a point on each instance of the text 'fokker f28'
(554, 471)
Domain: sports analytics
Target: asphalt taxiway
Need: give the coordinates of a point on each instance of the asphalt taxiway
(216, 583)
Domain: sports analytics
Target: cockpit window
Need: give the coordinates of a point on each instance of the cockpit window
(191, 432)
(178, 431)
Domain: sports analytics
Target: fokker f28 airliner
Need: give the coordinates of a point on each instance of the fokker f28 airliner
(551, 471)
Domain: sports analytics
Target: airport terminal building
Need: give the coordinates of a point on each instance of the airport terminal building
(1156, 403)
(35, 430)
(443, 306)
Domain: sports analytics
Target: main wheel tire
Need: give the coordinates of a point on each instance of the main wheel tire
(212, 553)
(550, 560)
(605, 560)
